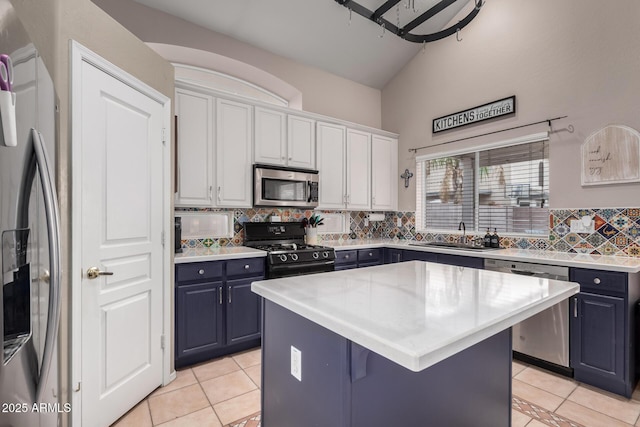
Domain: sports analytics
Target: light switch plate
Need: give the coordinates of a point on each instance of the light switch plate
(296, 363)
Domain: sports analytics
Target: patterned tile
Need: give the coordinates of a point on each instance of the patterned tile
(541, 414)
(617, 230)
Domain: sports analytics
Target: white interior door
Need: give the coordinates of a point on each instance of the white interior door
(121, 233)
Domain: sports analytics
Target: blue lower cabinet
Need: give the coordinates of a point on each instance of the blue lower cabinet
(409, 255)
(199, 320)
(369, 257)
(244, 312)
(461, 261)
(602, 350)
(392, 256)
(214, 318)
(346, 260)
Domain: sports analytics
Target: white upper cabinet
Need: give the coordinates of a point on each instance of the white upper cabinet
(270, 142)
(331, 142)
(194, 148)
(358, 189)
(344, 165)
(284, 139)
(234, 141)
(301, 142)
(384, 173)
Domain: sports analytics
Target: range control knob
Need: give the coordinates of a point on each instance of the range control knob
(316, 255)
(283, 257)
(294, 257)
(325, 254)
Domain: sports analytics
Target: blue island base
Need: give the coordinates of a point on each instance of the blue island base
(343, 384)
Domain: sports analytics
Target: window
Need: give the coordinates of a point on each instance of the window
(503, 186)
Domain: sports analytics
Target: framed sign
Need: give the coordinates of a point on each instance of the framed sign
(611, 156)
(501, 107)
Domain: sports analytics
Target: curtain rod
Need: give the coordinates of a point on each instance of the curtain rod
(415, 150)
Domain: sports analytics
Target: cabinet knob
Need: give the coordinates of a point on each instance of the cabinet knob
(201, 272)
(246, 266)
(370, 254)
(596, 281)
(282, 158)
(346, 257)
(290, 158)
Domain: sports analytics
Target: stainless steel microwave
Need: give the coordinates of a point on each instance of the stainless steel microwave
(284, 187)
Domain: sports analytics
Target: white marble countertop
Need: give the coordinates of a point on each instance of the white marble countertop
(415, 313)
(597, 262)
(217, 254)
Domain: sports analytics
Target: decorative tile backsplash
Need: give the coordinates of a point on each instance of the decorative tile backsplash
(617, 231)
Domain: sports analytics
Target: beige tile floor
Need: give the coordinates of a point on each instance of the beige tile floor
(223, 391)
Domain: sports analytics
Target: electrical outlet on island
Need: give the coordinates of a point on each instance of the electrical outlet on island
(296, 363)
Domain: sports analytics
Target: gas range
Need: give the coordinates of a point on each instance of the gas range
(288, 255)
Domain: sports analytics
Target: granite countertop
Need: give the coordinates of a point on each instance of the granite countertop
(415, 313)
(217, 254)
(597, 262)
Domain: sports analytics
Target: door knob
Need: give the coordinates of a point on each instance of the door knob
(94, 272)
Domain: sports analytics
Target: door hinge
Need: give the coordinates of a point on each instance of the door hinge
(162, 342)
(162, 238)
(164, 136)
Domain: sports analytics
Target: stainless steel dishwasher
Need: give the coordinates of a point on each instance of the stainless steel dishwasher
(544, 338)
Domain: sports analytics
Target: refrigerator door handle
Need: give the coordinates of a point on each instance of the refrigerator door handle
(53, 229)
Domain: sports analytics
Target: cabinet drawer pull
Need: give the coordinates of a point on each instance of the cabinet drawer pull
(575, 307)
(246, 266)
(229, 292)
(596, 280)
(201, 271)
(220, 295)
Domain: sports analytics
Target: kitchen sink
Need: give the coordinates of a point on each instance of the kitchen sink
(452, 246)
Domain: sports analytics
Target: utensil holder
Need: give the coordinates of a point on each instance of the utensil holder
(311, 236)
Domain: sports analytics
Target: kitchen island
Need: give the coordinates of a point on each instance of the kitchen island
(413, 343)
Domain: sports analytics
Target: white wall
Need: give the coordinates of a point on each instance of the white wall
(579, 58)
(322, 92)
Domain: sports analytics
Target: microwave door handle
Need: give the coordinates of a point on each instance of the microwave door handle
(310, 193)
(53, 228)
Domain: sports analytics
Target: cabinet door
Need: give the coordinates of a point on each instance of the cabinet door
(409, 255)
(392, 256)
(233, 154)
(331, 149)
(461, 261)
(270, 137)
(384, 173)
(244, 311)
(358, 170)
(369, 257)
(301, 142)
(194, 147)
(597, 337)
(198, 319)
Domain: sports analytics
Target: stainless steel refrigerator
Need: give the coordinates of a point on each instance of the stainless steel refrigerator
(29, 233)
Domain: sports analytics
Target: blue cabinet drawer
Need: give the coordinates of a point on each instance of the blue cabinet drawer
(346, 257)
(245, 267)
(599, 281)
(190, 272)
(369, 256)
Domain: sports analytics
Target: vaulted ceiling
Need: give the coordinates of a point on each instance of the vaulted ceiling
(320, 33)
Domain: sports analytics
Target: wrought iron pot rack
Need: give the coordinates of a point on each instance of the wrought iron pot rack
(405, 31)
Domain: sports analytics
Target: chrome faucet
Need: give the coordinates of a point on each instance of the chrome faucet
(462, 227)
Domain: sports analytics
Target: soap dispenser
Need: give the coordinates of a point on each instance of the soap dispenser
(495, 239)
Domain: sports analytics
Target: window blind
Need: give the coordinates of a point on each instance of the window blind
(506, 188)
(513, 189)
